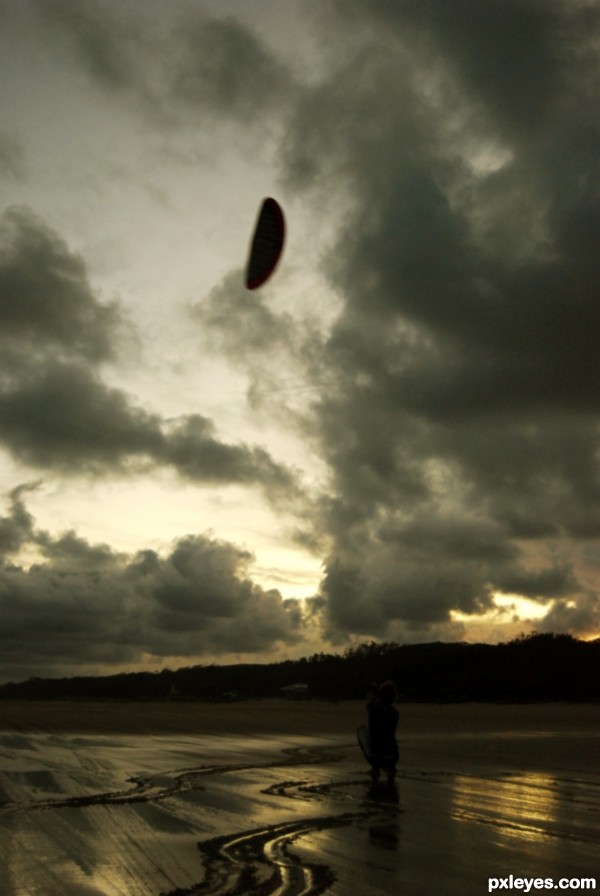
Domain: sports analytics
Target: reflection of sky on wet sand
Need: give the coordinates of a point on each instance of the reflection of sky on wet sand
(554, 821)
(449, 833)
(527, 805)
(125, 816)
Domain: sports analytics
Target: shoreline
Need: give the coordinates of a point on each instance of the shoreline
(278, 716)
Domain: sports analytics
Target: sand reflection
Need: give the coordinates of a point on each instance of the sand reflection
(288, 815)
(527, 804)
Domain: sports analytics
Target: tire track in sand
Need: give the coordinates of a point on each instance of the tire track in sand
(148, 788)
(258, 862)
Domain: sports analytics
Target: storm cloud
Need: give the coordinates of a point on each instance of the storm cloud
(468, 402)
(46, 301)
(86, 606)
(438, 367)
(204, 68)
(57, 412)
(459, 423)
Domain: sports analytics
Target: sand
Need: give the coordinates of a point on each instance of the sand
(270, 797)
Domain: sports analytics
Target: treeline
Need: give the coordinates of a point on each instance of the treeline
(532, 668)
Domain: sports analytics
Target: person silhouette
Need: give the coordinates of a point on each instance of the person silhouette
(383, 721)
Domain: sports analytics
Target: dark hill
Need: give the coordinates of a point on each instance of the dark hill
(535, 668)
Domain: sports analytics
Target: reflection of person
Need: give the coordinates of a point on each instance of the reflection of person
(383, 721)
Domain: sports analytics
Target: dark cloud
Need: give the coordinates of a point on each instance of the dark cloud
(201, 67)
(85, 606)
(456, 406)
(581, 615)
(46, 300)
(415, 575)
(460, 418)
(64, 418)
(259, 331)
(512, 55)
(281, 353)
(191, 446)
(223, 68)
(479, 360)
(56, 411)
(16, 528)
(100, 41)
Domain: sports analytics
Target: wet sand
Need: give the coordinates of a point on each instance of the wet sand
(270, 797)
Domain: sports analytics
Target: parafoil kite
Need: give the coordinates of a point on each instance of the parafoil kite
(267, 244)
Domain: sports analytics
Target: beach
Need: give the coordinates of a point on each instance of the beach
(105, 798)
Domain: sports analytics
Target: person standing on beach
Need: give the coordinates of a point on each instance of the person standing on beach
(383, 721)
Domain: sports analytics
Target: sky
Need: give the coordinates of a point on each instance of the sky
(397, 438)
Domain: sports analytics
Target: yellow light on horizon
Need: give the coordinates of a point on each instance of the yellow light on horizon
(507, 618)
(524, 607)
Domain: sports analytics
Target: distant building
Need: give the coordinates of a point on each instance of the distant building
(294, 692)
(231, 696)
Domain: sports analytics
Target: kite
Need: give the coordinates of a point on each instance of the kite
(267, 244)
